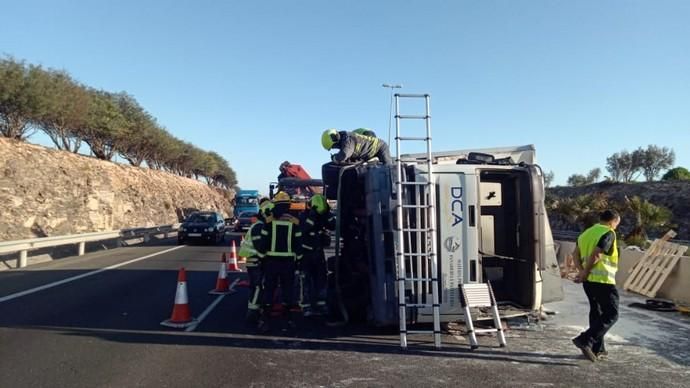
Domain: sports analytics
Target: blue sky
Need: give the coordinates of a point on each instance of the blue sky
(258, 81)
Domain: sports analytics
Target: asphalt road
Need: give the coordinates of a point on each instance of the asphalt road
(102, 329)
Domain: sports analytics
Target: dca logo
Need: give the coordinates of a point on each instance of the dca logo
(456, 204)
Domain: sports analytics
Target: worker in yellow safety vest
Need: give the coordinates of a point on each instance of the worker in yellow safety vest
(597, 250)
(254, 260)
(357, 146)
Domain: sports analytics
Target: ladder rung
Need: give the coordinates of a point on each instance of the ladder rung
(412, 138)
(417, 230)
(406, 160)
(422, 332)
(420, 117)
(413, 254)
(411, 95)
(413, 183)
(419, 305)
(419, 279)
(485, 330)
(415, 206)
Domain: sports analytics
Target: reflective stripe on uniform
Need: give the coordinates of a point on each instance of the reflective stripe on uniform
(274, 241)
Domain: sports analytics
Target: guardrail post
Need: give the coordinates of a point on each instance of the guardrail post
(147, 237)
(82, 246)
(23, 259)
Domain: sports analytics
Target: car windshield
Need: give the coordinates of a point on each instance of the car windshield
(202, 218)
(247, 214)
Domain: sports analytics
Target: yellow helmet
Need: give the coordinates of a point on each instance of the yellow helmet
(318, 203)
(328, 138)
(265, 208)
(280, 197)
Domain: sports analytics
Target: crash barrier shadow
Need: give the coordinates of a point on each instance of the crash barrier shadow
(20, 253)
(127, 305)
(350, 345)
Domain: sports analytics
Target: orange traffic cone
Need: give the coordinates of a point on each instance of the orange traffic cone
(241, 259)
(222, 285)
(181, 317)
(232, 261)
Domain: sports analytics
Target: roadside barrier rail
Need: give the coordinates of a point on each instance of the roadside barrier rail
(567, 235)
(24, 246)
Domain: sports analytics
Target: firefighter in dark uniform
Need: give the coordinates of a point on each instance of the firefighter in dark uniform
(280, 243)
(248, 250)
(355, 146)
(312, 266)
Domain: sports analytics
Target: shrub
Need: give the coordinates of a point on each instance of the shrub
(677, 174)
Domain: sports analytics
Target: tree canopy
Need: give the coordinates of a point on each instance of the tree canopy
(70, 113)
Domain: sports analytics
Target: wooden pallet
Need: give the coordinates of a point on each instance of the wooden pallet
(650, 272)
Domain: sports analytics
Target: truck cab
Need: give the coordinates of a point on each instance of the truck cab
(246, 201)
(491, 227)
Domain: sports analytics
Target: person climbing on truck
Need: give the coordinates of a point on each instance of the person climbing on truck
(355, 147)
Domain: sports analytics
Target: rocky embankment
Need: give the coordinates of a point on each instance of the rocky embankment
(47, 192)
(674, 195)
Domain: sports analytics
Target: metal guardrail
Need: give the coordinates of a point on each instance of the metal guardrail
(24, 246)
(566, 235)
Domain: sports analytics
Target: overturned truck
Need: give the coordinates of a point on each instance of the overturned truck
(491, 227)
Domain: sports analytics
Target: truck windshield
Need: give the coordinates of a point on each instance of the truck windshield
(247, 201)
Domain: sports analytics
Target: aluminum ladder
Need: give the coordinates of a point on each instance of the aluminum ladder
(480, 295)
(415, 229)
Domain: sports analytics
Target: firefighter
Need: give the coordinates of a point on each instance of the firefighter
(355, 147)
(365, 132)
(280, 243)
(254, 261)
(312, 266)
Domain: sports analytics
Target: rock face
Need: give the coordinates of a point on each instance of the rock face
(47, 192)
(674, 195)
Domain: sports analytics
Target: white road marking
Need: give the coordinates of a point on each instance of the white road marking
(210, 308)
(84, 275)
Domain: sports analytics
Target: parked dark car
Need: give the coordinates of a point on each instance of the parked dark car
(245, 220)
(202, 226)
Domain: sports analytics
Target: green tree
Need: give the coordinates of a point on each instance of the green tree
(646, 216)
(655, 159)
(625, 166)
(65, 108)
(139, 131)
(103, 126)
(677, 174)
(581, 180)
(548, 178)
(19, 98)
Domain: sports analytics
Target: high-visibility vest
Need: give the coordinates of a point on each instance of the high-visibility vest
(281, 239)
(604, 271)
(247, 247)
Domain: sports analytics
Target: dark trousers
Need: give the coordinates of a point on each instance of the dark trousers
(313, 279)
(279, 271)
(603, 313)
(255, 280)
